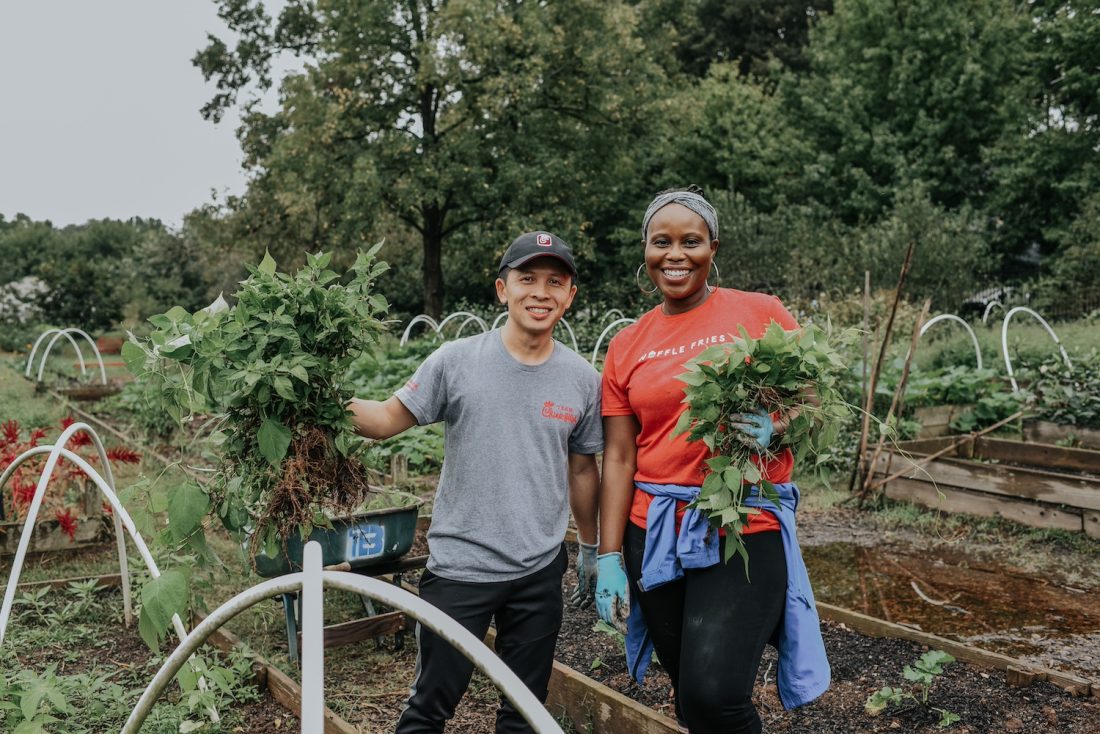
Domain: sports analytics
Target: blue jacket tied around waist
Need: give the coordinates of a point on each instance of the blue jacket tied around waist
(803, 672)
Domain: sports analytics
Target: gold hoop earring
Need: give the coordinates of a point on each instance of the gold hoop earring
(638, 280)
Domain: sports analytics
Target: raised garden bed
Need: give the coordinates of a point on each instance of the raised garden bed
(1047, 432)
(49, 535)
(1036, 484)
(935, 420)
(116, 664)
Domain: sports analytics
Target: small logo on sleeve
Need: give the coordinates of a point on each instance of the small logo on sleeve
(559, 412)
(412, 385)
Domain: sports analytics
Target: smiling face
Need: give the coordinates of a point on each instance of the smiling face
(537, 294)
(678, 254)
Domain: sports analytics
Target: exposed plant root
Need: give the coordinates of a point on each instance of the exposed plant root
(315, 478)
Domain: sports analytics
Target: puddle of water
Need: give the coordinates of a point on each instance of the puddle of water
(948, 593)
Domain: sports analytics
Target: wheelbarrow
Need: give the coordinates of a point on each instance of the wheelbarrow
(371, 543)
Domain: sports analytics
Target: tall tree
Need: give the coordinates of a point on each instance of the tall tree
(751, 33)
(449, 113)
(1048, 166)
(909, 92)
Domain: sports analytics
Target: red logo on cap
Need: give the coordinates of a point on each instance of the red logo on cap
(543, 240)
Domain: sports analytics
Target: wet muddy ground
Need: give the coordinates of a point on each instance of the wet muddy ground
(979, 593)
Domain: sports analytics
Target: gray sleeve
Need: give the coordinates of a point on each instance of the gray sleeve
(587, 437)
(425, 394)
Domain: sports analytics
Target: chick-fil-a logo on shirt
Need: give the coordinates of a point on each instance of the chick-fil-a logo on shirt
(558, 412)
(412, 385)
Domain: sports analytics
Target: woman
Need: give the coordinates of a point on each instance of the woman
(705, 619)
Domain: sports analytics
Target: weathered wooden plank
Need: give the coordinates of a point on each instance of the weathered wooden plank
(286, 692)
(47, 535)
(1047, 432)
(106, 581)
(1091, 521)
(593, 707)
(935, 420)
(357, 630)
(1039, 455)
(1023, 483)
(955, 499)
(874, 627)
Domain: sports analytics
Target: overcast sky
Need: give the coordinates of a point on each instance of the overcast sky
(99, 111)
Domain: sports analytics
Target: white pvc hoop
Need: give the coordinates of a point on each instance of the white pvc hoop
(970, 331)
(469, 316)
(599, 342)
(476, 319)
(41, 338)
(67, 333)
(989, 309)
(572, 336)
(310, 582)
(1004, 342)
(120, 537)
(611, 312)
(422, 318)
(122, 518)
(500, 317)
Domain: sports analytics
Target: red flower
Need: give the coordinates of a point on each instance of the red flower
(37, 435)
(107, 509)
(80, 438)
(22, 493)
(11, 431)
(123, 454)
(67, 522)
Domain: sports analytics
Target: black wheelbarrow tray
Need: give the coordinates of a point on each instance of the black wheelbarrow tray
(372, 543)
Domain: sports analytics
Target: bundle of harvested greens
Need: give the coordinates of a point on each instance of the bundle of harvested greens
(792, 373)
(272, 367)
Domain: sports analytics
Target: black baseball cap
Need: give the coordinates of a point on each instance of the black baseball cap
(530, 245)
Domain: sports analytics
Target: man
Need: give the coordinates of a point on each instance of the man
(523, 425)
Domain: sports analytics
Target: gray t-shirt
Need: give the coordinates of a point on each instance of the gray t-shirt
(502, 504)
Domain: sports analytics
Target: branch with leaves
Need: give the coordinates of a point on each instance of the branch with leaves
(273, 365)
(794, 374)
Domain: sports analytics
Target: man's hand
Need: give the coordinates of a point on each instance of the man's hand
(756, 429)
(612, 596)
(586, 575)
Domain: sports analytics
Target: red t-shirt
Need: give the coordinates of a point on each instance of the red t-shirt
(639, 378)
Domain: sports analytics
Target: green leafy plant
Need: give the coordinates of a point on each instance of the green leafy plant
(795, 373)
(274, 366)
(921, 676)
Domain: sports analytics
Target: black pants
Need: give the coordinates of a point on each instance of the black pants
(528, 613)
(710, 627)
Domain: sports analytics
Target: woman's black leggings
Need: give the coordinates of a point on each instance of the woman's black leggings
(710, 627)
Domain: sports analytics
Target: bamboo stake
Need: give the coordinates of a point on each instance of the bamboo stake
(964, 439)
(896, 400)
(858, 465)
(875, 368)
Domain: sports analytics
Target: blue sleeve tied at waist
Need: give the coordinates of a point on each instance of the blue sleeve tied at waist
(803, 672)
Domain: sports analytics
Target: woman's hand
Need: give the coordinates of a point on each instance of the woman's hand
(612, 596)
(757, 429)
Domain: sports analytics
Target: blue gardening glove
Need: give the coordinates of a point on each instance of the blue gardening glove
(756, 429)
(612, 597)
(586, 575)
